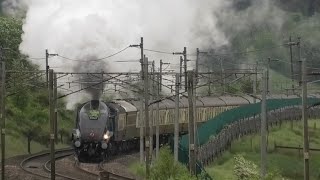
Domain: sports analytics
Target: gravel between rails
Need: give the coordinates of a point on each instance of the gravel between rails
(68, 166)
(119, 165)
(34, 164)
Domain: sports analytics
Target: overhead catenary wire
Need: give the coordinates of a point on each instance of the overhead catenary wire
(157, 51)
(182, 93)
(160, 52)
(166, 67)
(94, 60)
(151, 50)
(222, 54)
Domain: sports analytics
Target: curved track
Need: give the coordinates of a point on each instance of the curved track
(39, 165)
(73, 173)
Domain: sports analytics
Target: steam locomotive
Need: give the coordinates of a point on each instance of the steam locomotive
(94, 130)
(104, 129)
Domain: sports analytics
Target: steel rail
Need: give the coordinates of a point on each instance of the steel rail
(47, 168)
(40, 155)
(112, 176)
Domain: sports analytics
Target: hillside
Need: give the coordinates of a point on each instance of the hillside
(258, 30)
(287, 163)
(27, 97)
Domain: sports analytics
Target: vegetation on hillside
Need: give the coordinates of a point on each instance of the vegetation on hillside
(163, 168)
(280, 162)
(247, 170)
(26, 103)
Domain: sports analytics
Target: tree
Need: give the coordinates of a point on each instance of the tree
(247, 170)
(10, 37)
(64, 133)
(31, 132)
(27, 106)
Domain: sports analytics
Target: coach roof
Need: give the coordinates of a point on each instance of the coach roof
(128, 107)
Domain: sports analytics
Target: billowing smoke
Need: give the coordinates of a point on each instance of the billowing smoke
(242, 21)
(247, 16)
(15, 8)
(98, 28)
(102, 27)
(93, 84)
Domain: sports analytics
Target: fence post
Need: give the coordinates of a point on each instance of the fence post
(103, 175)
(280, 119)
(251, 143)
(299, 150)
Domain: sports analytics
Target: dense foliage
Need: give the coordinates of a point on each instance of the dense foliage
(27, 97)
(247, 170)
(164, 168)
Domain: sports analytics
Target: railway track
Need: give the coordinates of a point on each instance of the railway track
(36, 164)
(106, 173)
(71, 170)
(39, 166)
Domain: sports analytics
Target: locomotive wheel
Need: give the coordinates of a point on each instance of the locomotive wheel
(113, 149)
(105, 156)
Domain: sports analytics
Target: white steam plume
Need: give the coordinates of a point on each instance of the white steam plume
(78, 29)
(82, 28)
(102, 27)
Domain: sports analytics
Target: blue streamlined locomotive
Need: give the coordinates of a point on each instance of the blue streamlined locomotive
(94, 130)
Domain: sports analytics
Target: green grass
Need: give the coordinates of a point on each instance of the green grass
(288, 162)
(163, 168)
(279, 84)
(16, 146)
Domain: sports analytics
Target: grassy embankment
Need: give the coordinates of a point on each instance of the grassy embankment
(289, 163)
(18, 146)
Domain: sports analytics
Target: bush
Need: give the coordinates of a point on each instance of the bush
(164, 168)
(244, 169)
(247, 170)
